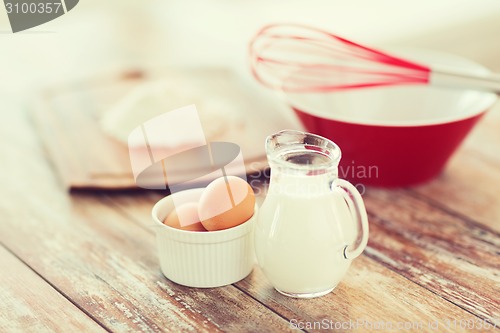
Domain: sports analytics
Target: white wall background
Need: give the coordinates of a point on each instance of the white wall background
(107, 35)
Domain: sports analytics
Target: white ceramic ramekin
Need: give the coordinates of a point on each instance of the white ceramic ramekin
(202, 259)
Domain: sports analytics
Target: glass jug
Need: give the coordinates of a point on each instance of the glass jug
(311, 224)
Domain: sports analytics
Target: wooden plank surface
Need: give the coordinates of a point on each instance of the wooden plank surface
(470, 184)
(88, 158)
(29, 304)
(432, 256)
(367, 285)
(108, 266)
(426, 239)
(368, 296)
(103, 262)
(445, 254)
(82, 154)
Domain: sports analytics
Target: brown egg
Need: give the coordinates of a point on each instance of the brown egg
(225, 203)
(185, 217)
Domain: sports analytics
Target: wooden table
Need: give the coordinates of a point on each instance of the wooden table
(88, 262)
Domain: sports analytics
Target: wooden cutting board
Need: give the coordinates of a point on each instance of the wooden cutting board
(86, 158)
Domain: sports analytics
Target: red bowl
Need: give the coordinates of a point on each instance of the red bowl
(395, 136)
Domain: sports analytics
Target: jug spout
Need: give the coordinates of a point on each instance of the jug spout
(300, 151)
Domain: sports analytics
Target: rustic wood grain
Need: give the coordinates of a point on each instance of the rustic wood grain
(430, 250)
(369, 295)
(101, 260)
(470, 183)
(367, 285)
(108, 266)
(29, 304)
(87, 158)
(82, 154)
(455, 258)
(468, 187)
(453, 262)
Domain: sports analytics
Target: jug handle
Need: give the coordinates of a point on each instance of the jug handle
(358, 211)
